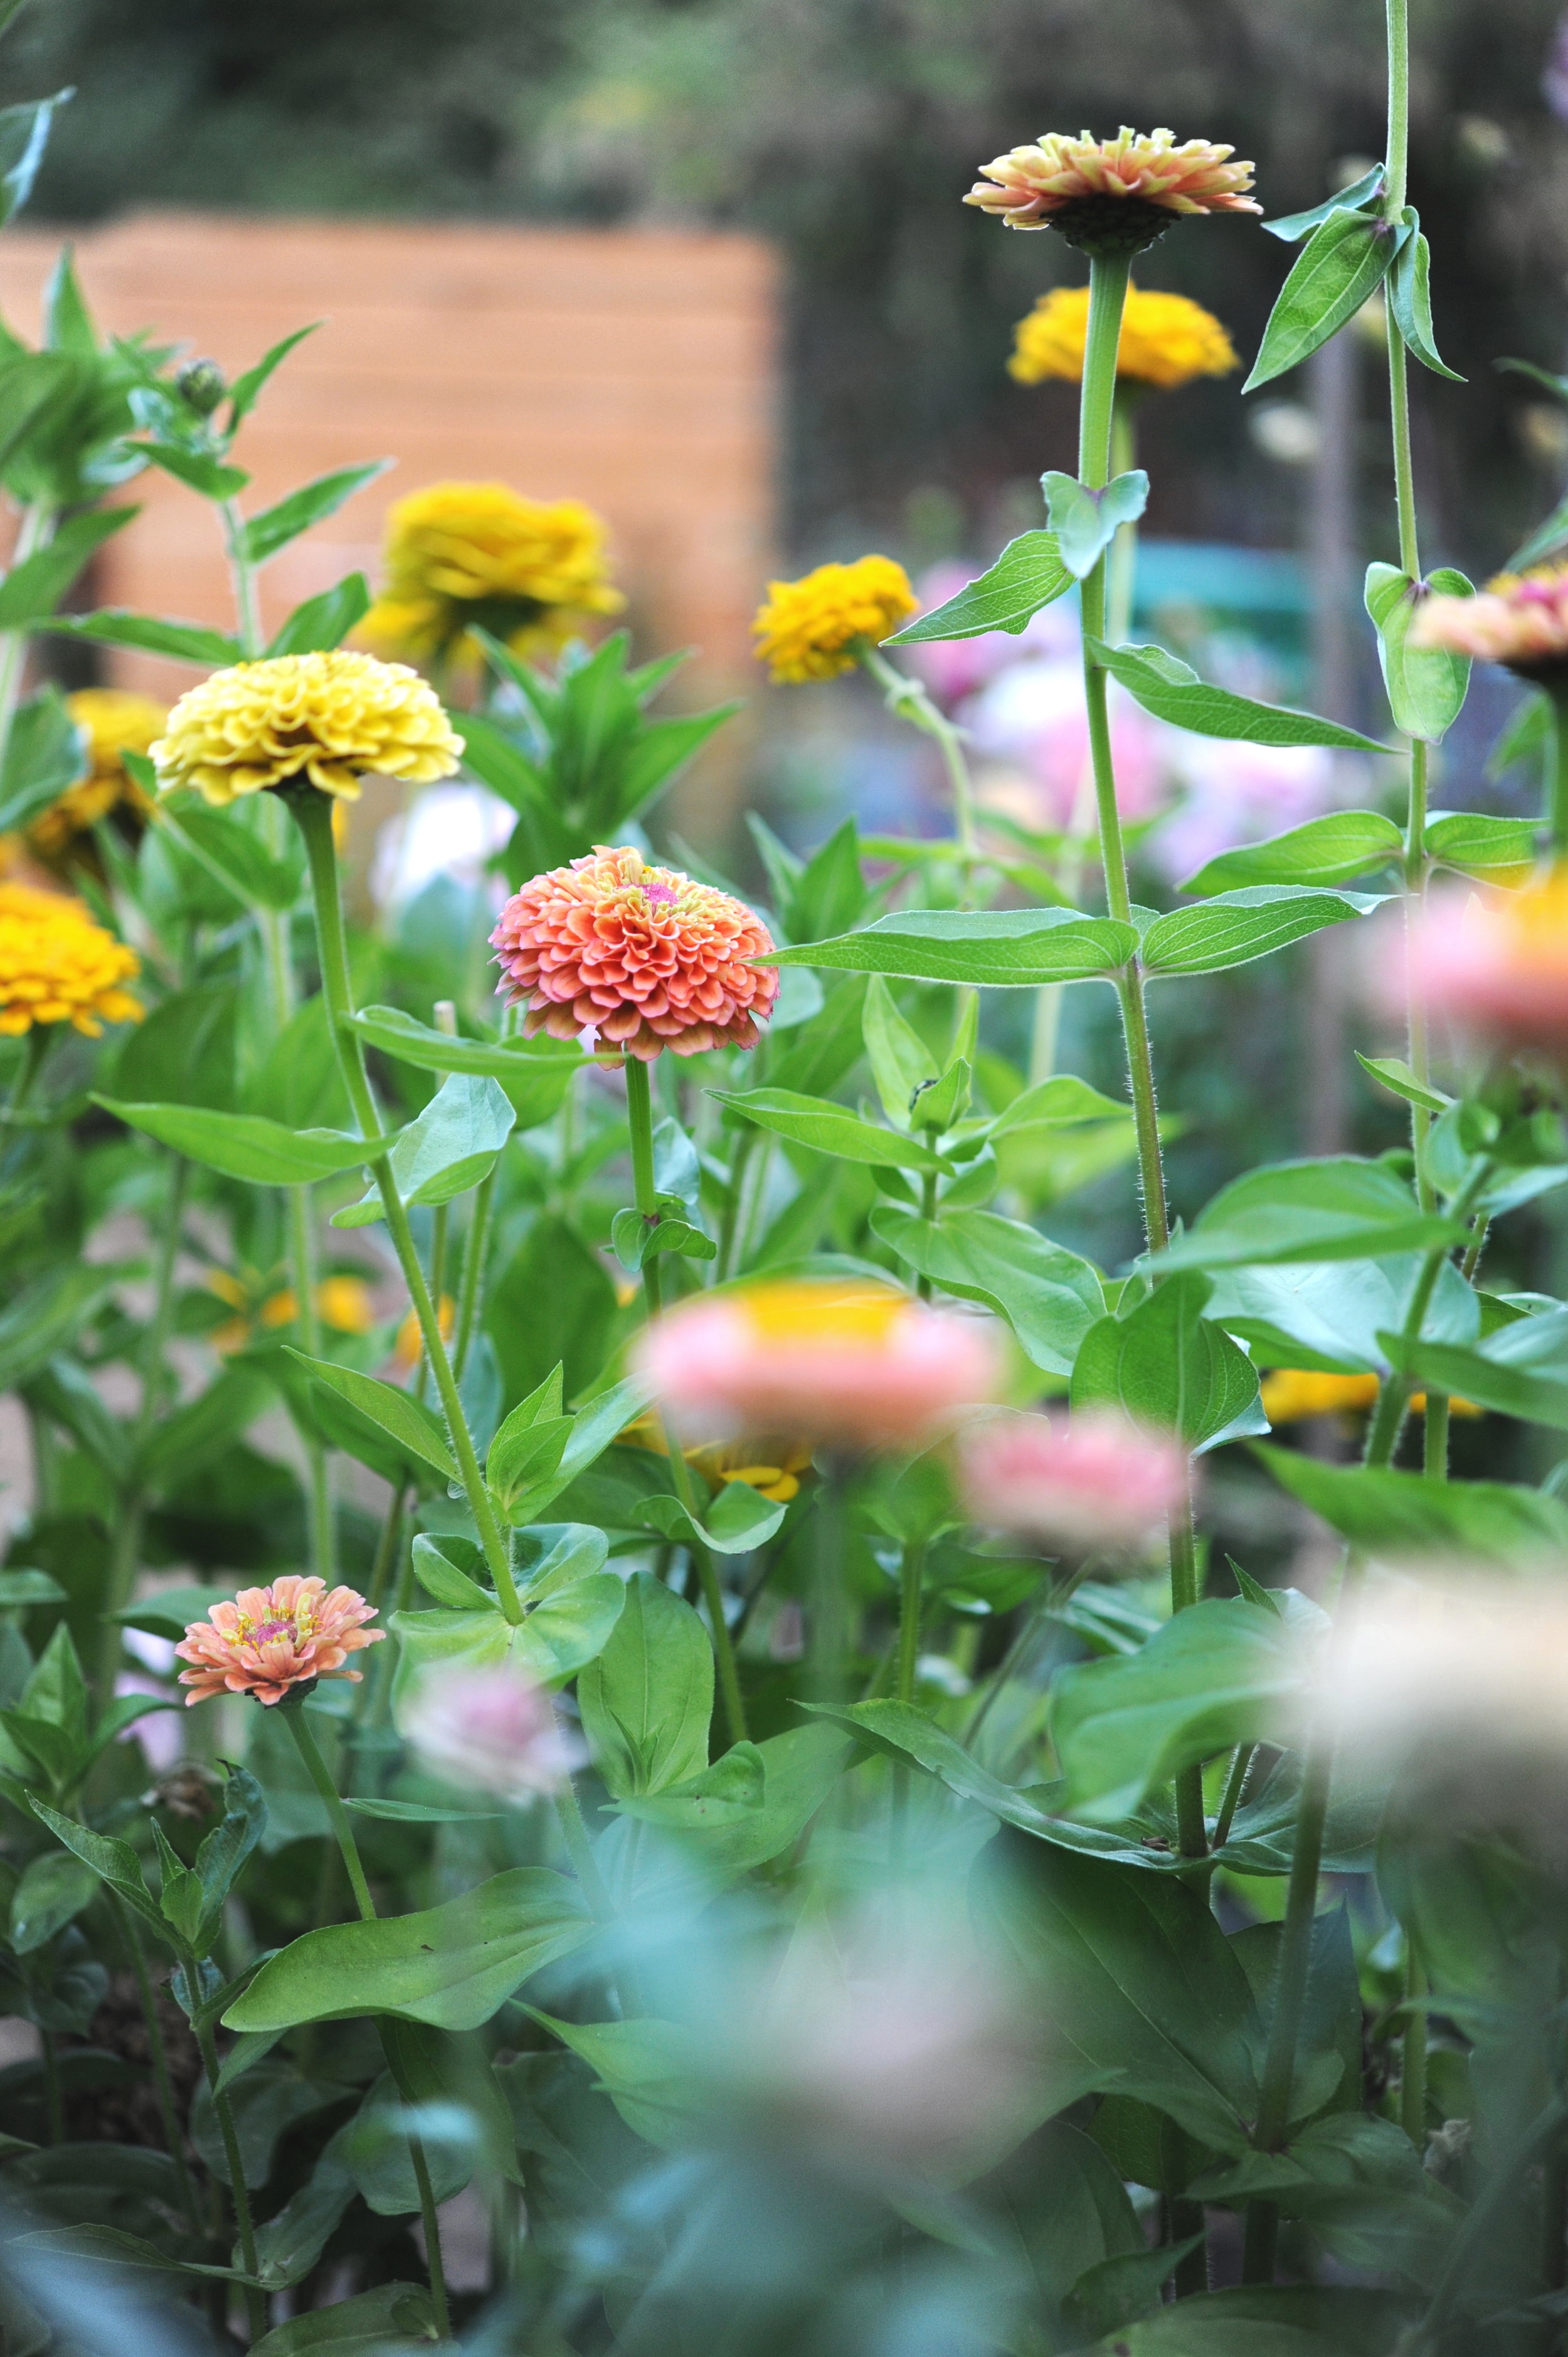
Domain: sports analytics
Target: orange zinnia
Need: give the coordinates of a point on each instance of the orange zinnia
(270, 1639)
(1114, 196)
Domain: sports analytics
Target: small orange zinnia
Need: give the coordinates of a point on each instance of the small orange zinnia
(271, 1639)
(642, 958)
(1519, 620)
(1112, 195)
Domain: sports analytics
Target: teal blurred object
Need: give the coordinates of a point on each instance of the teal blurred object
(1260, 581)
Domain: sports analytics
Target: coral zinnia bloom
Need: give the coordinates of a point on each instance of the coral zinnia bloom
(1092, 1480)
(1114, 196)
(57, 966)
(328, 718)
(853, 1365)
(1165, 340)
(114, 723)
(1499, 969)
(643, 957)
(812, 628)
(457, 553)
(1519, 620)
(270, 1639)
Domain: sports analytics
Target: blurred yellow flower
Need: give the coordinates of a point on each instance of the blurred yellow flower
(114, 723)
(408, 1348)
(326, 718)
(457, 554)
(1291, 1395)
(811, 628)
(57, 966)
(1165, 340)
(769, 1464)
(343, 1303)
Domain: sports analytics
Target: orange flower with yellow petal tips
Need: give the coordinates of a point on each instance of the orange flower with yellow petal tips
(1112, 195)
(272, 1638)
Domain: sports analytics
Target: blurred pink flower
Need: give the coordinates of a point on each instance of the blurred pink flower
(1496, 969)
(1032, 714)
(493, 1729)
(1093, 1482)
(856, 1365)
(1238, 793)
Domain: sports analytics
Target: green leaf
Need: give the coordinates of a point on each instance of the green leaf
(1086, 523)
(1214, 1676)
(31, 386)
(243, 392)
(739, 1520)
(1396, 1074)
(20, 1588)
(1048, 1295)
(423, 1813)
(650, 2070)
(367, 2324)
(407, 1421)
(1327, 1314)
(1410, 297)
(24, 136)
(113, 625)
(508, 1060)
(1336, 1208)
(1426, 686)
(1281, 2320)
(198, 470)
(448, 1150)
(829, 893)
(1135, 1978)
(36, 585)
(902, 1734)
(324, 623)
(1292, 227)
(1519, 1370)
(1405, 1515)
(1234, 928)
(244, 1146)
(451, 1966)
(1328, 850)
(113, 1862)
(1057, 1103)
(43, 757)
(901, 1063)
(648, 1701)
(444, 1578)
(254, 847)
(1342, 263)
(1168, 1366)
(1172, 691)
(559, 1637)
(634, 1240)
(800, 1769)
(45, 1316)
(1027, 576)
(265, 534)
(1495, 850)
(1017, 948)
(50, 1892)
(828, 1128)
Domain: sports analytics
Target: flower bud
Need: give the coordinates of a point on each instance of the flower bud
(203, 385)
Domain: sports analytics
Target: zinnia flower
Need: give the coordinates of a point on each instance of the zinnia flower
(813, 627)
(57, 966)
(1499, 969)
(493, 1731)
(1090, 1481)
(114, 723)
(1165, 340)
(1112, 196)
(852, 1365)
(270, 1639)
(764, 1462)
(457, 554)
(1291, 1395)
(326, 718)
(343, 1303)
(1519, 619)
(642, 957)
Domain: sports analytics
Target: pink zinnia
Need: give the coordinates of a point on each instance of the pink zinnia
(1095, 1481)
(641, 957)
(1496, 969)
(852, 1365)
(270, 1639)
(493, 1729)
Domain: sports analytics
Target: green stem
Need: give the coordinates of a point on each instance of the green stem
(36, 532)
(474, 1250)
(174, 2135)
(348, 1849)
(54, 2101)
(1434, 1460)
(907, 699)
(247, 603)
(1231, 1801)
(1413, 2082)
(910, 1586)
(40, 1040)
(826, 1635)
(125, 1548)
(1124, 553)
(256, 2304)
(1398, 107)
(639, 1122)
(580, 1850)
(1387, 1419)
(1557, 812)
(313, 813)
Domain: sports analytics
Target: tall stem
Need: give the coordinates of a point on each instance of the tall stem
(343, 1831)
(1124, 552)
(243, 571)
(256, 2304)
(474, 1251)
(36, 532)
(909, 700)
(639, 1122)
(125, 1550)
(174, 2135)
(313, 813)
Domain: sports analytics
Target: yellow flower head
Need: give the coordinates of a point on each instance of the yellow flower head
(809, 628)
(326, 718)
(408, 1348)
(114, 723)
(457, 553)
(1165, 340)
(57, 966)
(1291, 1395)
(767, 1464)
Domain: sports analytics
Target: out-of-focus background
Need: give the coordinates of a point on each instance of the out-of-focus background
(702, 264)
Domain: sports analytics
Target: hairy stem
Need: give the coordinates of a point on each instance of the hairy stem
(255, 2304)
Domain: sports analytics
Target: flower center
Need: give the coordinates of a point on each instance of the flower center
(811, 1313)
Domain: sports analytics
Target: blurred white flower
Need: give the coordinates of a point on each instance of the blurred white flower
(1032, 714)
(492, 1730)
(1238, 793)
(1473, 1665)
(450, 831)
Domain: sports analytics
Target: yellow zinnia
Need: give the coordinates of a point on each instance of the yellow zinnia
(771, 1467)
(1291, 1395)
(57, 966)
(114, 723)
(457, 554)
(811, 628)
(1165, 340)
(326, 718)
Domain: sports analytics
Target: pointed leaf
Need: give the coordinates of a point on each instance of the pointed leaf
(114, 625)
(1410, 298)
(244, 1146)
(1426, 686)
(243, 395)
(1169, 1367)
(1328, 850)
(1341, 265)
(24, 135)
(36, 585)
(324, 623)
(1406, 1515)
(1048, 1295)
(1015, 948)
(1172, 691)
(828, 1128)
(648, 1701)
(407, 1421)
(1234, 928)
(265, 534)
(1292, 227)
(1027, 576)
